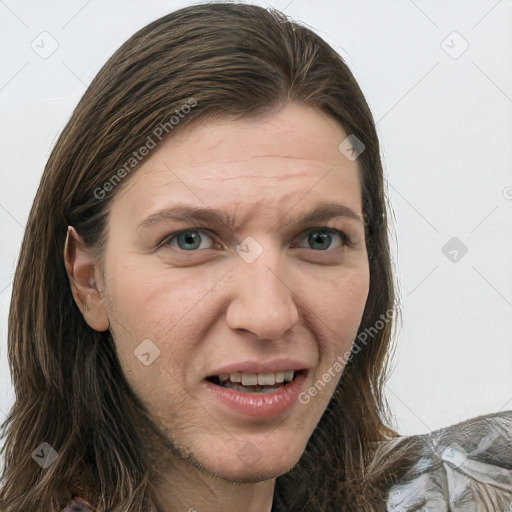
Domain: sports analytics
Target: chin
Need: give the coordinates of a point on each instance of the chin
(247, 475)
(254, 463)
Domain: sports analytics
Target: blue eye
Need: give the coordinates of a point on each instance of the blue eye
(190, 239)
(324, 236)
(187, 240)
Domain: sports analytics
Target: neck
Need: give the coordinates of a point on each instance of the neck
(185, 488)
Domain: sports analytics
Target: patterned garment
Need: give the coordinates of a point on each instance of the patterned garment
(463, 468)
(466, 467)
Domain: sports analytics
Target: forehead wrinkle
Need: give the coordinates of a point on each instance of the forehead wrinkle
(254, 157)
(297, 174)
(279, 177)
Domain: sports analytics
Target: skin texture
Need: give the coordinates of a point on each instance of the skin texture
(206, 307)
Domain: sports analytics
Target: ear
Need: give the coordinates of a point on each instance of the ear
(84, 277)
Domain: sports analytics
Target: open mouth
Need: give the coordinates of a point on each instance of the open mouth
(256, 382)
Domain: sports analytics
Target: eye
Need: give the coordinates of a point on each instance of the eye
(321, 238)
(188, 240)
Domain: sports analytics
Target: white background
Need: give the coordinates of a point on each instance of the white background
(445, 125)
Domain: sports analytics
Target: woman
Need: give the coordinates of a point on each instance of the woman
(153, 372)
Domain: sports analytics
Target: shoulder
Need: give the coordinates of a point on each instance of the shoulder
(463, 467)
(78, 505)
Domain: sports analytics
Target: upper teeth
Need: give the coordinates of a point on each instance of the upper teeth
(263, 379)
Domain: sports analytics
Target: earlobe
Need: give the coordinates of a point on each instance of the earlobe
(82, 273)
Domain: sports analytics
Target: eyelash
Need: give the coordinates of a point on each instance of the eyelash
(346, 242)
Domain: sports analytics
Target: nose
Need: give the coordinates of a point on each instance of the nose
(262, 302)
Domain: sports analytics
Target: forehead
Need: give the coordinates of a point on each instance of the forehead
(293, 131)
(282, 158)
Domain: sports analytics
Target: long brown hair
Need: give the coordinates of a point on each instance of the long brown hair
(222, 60)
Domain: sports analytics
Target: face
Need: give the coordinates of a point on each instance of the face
(268, 296)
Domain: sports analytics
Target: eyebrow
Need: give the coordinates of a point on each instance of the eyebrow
(186, 212)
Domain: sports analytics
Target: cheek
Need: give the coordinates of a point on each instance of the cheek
(344, 307)
(148, 301)
(162, 312)
(160, 318)
(348, 297)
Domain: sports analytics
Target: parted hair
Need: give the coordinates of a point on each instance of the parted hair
(224, 60)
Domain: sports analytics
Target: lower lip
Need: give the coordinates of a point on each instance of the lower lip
(260, 404)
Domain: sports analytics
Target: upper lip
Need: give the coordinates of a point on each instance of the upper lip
(260, 367)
